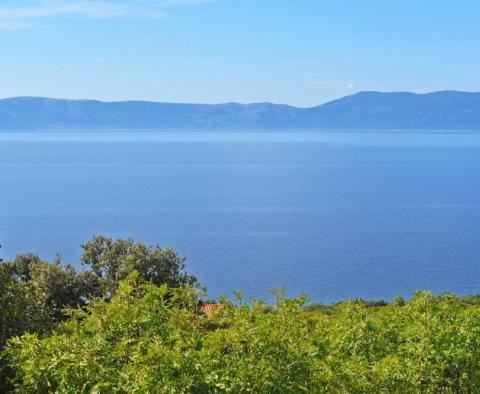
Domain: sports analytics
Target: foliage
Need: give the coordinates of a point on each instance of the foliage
(471, 299)
(151, 338)
(427, 345)
(132, 323)
(113, 261)
(34, 293)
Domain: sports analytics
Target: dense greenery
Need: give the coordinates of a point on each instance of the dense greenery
(145, 335)
(34, 293)
(152, 339)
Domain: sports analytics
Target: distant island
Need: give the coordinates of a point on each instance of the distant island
(445, 110)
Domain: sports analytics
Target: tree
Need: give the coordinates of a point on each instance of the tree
(34, 294)
(113, 261)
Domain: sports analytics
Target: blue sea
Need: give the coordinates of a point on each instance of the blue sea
(333, 214)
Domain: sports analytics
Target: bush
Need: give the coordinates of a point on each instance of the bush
(151, 338)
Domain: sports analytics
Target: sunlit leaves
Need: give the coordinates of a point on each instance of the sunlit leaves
(151, 338)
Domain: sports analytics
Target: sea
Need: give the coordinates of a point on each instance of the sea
(336, 215)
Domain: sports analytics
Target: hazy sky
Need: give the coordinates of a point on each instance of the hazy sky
(301, 52)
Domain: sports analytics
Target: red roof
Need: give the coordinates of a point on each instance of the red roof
(209, 308)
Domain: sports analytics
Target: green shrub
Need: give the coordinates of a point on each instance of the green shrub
(153, 339)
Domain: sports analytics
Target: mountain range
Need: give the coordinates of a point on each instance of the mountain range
(444, 110)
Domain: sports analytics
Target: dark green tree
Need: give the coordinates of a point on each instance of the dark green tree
(113, 260)
(33, 293)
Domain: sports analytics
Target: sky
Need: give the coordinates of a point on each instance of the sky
(297, 52)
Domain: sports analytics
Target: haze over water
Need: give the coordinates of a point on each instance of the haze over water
(335, 215)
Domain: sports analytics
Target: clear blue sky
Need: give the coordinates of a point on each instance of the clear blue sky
(301, 52)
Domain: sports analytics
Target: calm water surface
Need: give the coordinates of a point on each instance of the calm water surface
(335, 215)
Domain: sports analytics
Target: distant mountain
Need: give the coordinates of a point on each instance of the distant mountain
(447, 110)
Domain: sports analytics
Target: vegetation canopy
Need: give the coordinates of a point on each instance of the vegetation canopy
(117, 328)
